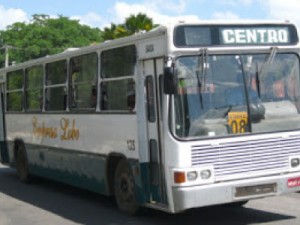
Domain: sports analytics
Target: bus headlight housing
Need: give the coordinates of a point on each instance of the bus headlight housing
(294, 163)
(193, 176)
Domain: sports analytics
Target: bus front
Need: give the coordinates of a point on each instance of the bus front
(233, 94)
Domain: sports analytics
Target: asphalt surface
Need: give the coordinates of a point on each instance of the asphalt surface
(50, 203)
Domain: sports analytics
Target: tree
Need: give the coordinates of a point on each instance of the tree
(114, 32)
(138, 23)
(45, 36)
(133, 24)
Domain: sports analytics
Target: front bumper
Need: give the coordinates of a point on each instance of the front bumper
(233, 191)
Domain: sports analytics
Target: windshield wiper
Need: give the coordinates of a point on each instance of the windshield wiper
(246, 90)
(201, 76)
(257, 81)
(268, 62)
(264, 68)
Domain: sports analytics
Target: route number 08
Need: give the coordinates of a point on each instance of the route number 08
(238, 122)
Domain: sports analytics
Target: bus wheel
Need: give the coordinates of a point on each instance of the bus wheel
(124, 188)
(238, 204)
(22, 164)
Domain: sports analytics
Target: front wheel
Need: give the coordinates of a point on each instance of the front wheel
(125, 188)
(237, 204)
(22, 163)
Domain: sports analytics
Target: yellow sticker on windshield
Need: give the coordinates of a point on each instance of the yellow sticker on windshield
(238, 122)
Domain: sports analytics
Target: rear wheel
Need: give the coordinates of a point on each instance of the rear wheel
(22, 163)
(125, 188)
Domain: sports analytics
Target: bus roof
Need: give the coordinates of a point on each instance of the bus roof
(159, 31)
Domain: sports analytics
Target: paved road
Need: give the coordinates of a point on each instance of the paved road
(49, 203)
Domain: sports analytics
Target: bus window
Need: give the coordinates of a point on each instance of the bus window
(118, 95)
(14, 91)
(117, 88)
(83, 80)
(56, 90)
(34, 88)
(118, 62)
(150, 99)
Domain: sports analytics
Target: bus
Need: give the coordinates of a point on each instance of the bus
(184, 116)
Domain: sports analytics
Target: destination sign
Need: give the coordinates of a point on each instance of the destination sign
(235, 35)
(255, 36)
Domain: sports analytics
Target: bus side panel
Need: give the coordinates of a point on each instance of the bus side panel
(141, 181)
(71, 167)
(73, 148)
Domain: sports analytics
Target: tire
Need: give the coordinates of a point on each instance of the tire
(125, 188)
(22, 164)
(237, 204)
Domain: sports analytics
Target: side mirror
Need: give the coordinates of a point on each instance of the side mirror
(170, 81)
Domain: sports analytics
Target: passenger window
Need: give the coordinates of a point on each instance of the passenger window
(118, 62)
(83, 82)
(34, 88)
(56, 89)
(118, 86)
(14, 91)
(118, 95)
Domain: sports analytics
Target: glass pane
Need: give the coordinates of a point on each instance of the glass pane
(84, 68)
(15, 80)
(34, 99)
(236, 94)
(84, 81)
(56, 99)
(56, 72)
(34, 88)
(34, 77)
(15, 101)
(118, 95)
(150, 99)
(118, 62)
(84, 96)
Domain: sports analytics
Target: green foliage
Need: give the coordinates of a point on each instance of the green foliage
(45, 36)
(133, 24)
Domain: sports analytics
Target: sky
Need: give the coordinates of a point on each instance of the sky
(100, 13)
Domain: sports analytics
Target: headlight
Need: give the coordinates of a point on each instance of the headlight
(205, 174)
(295, 162)
(192, 175)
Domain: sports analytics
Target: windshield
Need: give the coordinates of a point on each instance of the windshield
(236, 94)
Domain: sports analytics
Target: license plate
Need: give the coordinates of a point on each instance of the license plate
(293, 182)
(262, 189)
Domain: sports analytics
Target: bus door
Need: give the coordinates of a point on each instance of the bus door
(3, 149)
(153, 69)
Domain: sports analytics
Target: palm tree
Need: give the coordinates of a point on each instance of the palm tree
(139, 23)
(133, 24)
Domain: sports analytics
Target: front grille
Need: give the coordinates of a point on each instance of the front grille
(247, 158)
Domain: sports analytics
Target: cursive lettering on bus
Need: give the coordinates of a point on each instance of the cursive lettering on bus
(42, 131)
(70, 133)
(67, 130)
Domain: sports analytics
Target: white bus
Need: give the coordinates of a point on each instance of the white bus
(184, 116)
